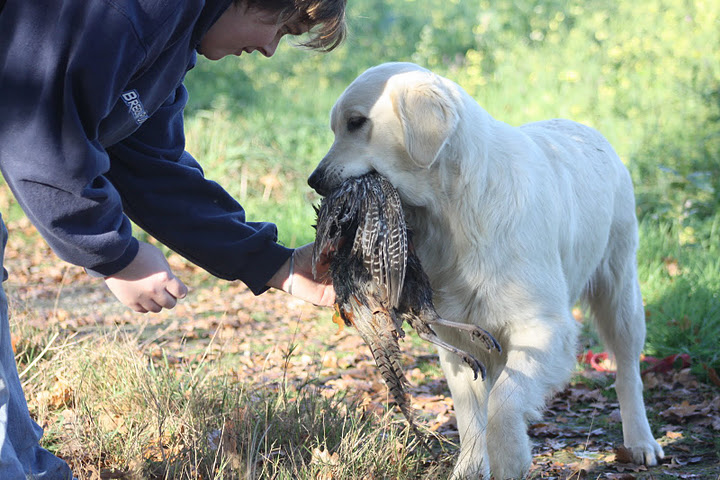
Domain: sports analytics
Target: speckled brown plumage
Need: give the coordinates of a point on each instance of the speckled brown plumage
(379, 281)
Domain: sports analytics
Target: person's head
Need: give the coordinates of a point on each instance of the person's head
(249, 25)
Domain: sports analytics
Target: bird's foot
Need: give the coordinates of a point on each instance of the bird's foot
(477, 366)
(477, 333)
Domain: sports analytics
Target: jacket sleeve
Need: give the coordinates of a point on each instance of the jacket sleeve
(50, 154)
(164, 191)
(58, 85)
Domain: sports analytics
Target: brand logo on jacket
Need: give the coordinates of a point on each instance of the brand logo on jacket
(135, 106)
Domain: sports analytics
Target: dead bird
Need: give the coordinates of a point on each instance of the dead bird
(379, 281)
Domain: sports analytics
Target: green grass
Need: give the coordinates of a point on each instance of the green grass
(682, 292)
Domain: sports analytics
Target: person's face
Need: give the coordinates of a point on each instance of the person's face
(240, 29)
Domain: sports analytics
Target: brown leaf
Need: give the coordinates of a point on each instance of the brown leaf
(59, 396)
(623, 454)
(544, 430)
(581, 469)
(682, 411)
(321, 456)
(712, 374)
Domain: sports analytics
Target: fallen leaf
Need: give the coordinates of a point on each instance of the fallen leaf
(681, 412)
(60, 395)
(712, 374)
(623, 454)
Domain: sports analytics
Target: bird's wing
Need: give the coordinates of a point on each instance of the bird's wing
(381, 237)
(396, 243)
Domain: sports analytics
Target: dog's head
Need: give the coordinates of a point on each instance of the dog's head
(394, 119)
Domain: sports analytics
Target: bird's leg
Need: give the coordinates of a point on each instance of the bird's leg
(477, 333)
(473, 362)
(397, 321)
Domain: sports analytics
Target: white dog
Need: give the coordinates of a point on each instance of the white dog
(513, 227)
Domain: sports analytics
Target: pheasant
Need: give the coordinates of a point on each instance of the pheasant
(379, 281)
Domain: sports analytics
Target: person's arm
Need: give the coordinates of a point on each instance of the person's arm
(57, 84)
(165, 192)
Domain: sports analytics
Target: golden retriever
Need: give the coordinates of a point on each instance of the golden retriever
(513, 225)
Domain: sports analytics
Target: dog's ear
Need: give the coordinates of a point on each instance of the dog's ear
(428, 116)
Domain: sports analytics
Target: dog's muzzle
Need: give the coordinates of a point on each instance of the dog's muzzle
(317, 183)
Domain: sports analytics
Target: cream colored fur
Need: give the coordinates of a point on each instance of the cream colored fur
(513, 227)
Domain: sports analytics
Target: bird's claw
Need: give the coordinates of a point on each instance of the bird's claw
(478, 334)
(476, 365)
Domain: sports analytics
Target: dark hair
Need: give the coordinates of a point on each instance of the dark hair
(326, 18)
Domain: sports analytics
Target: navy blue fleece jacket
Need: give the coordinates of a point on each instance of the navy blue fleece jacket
(91, 133)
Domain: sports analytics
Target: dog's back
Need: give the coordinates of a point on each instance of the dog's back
(597, 207)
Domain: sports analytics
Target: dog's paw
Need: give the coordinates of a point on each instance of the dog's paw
(646, 453)
(469, 470)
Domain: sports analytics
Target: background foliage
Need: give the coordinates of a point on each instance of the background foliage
(645, 73)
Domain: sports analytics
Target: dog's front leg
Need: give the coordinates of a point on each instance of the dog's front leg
(470, 401)
(540, 358)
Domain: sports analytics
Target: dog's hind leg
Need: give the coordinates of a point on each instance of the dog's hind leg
(616, 303)
(540, 358)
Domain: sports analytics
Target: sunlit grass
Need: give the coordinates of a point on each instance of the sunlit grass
(108, 408)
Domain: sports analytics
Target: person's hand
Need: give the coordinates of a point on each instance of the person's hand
(302, 284)
(147, 284)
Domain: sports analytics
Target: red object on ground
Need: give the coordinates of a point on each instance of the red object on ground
(602, 362)
(662, 365)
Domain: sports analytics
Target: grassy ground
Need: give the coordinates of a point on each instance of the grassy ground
(232, 386)
(229, 385)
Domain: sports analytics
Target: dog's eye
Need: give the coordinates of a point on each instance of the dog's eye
(355, 123)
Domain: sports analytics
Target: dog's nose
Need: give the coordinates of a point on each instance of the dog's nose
(316, 183)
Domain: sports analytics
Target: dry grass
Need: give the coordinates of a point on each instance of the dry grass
(112, 412)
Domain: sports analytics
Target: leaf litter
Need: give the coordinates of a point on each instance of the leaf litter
(580, 435)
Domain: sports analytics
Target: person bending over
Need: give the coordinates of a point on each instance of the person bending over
(91, 136)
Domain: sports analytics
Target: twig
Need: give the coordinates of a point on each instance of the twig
(42, 354)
